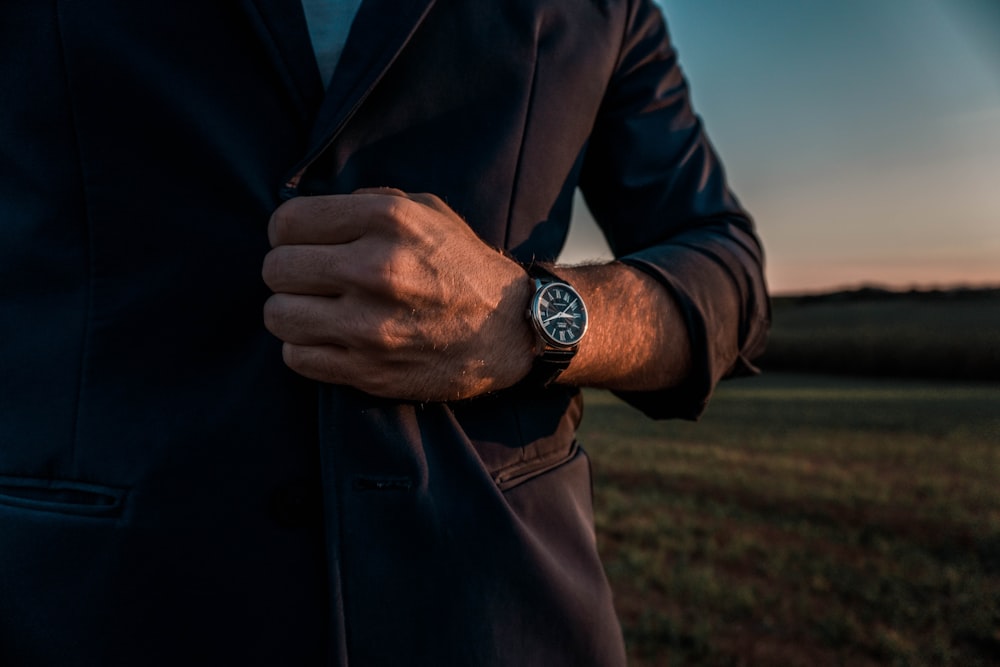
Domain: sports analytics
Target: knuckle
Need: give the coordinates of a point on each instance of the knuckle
(379, 335)
(385, 277)
(430, 200)
(384, 335)
(395, 211)
(366, 332)
(384, 273)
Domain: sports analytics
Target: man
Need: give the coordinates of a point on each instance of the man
(387, 473)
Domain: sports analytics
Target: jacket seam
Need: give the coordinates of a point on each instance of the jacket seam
(522, 146)
(88, 221)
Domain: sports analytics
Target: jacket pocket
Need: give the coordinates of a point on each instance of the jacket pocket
(62, 496)
(522, 471)
(522, 433)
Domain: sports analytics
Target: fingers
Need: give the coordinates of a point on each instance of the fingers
(378, 239)
(320, 270)
(329, 347)
(338, 219)
(303, 320)
(308, 320)
(337, 365)
(326, 363)
(381, 271)
(372, 290)
(317, 320)
(330, 219)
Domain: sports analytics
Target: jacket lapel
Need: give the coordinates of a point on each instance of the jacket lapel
(281, 24)
(380, 31)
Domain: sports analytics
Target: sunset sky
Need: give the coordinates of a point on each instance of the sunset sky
(863, 136)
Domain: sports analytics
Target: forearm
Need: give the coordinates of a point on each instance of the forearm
(670, 321)
(637, 339)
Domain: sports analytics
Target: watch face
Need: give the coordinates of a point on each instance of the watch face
(559, 314)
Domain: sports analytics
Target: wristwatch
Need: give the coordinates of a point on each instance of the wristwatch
(559, 317)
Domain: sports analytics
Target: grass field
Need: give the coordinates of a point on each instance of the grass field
(807, 520)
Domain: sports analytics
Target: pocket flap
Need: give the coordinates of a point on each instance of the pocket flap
(61, 496)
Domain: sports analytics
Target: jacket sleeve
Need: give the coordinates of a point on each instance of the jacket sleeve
(657, 189)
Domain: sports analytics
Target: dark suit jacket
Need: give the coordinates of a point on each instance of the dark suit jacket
(170, 493)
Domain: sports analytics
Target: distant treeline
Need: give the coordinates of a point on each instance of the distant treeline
(876, 332)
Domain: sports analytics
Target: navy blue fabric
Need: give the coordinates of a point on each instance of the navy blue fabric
(170, 493)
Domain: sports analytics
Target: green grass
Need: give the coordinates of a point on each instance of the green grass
(806, 520)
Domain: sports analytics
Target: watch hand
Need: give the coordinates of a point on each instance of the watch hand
(563, 315)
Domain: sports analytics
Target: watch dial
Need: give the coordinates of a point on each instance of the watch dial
(560, 313)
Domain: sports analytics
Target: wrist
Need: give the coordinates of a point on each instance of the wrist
(514, 344)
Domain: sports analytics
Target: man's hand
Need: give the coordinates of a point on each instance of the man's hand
(394, 294)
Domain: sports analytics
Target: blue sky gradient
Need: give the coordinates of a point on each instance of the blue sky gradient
(863, 136)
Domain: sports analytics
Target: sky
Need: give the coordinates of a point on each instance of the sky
(862, 135)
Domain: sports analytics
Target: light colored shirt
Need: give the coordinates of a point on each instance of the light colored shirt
(329, 23)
